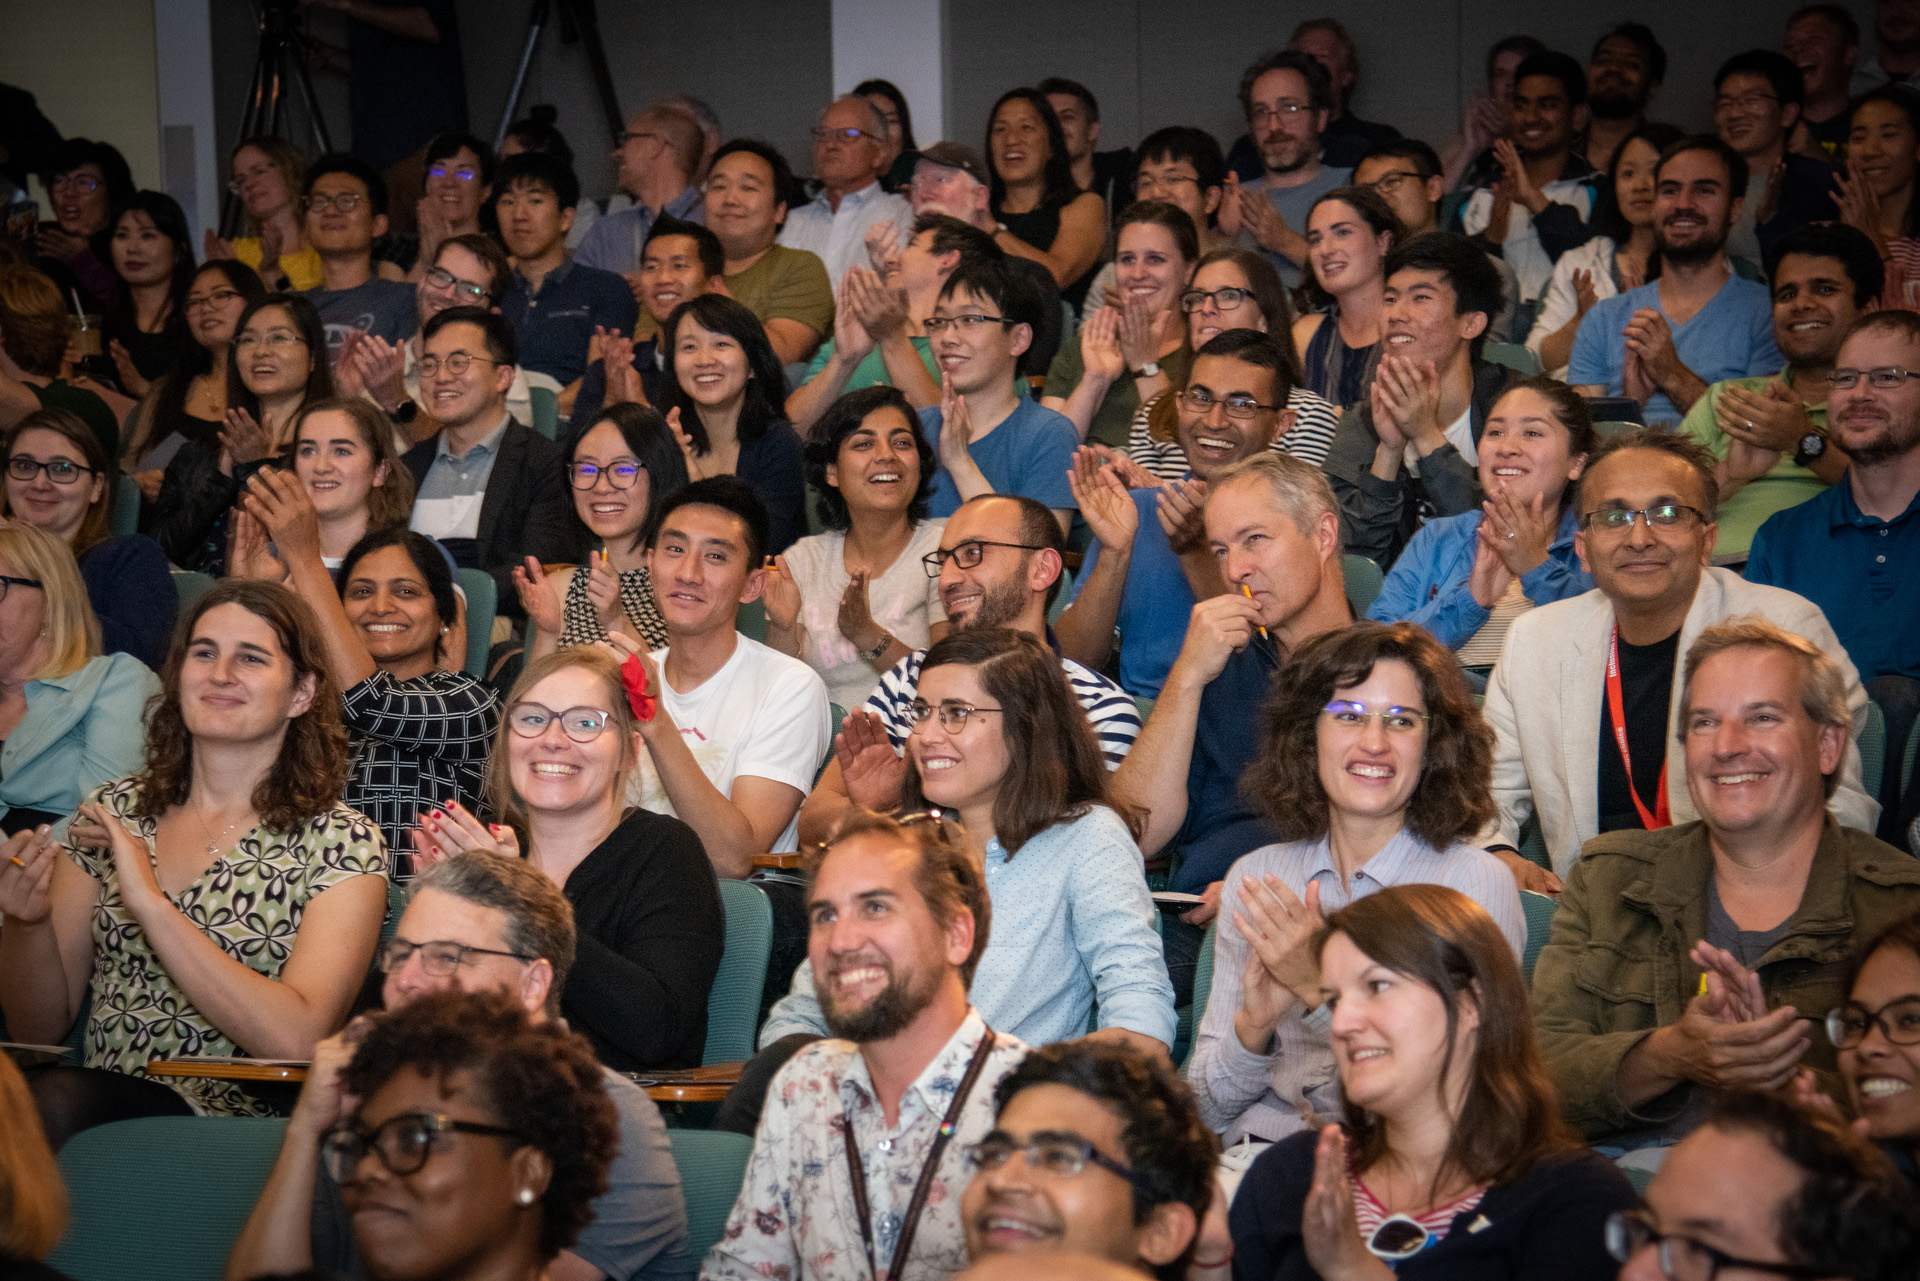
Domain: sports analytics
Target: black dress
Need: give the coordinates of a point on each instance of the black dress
(1040, 227)
(646, 904)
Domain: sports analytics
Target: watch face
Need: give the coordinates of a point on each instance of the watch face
(1813, 444)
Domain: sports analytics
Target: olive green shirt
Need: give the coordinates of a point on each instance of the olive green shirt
(1113, 420)
(1786, 485)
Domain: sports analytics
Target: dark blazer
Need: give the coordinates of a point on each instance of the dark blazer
(527, 510)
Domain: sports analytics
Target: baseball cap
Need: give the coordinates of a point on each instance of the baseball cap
(955, 155)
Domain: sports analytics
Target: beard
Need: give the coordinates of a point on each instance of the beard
(886, 1015)
(1893, 440)
(1614, 104)
(1702, 251)
(1000, 604)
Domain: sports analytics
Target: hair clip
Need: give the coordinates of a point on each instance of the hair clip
(633, 677)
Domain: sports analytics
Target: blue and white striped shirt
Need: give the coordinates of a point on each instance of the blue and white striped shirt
(1295, 1085)
(1115, 718)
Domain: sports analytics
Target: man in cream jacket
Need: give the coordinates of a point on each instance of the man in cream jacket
(1585, 698)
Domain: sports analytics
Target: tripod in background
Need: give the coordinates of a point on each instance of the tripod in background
(579, 21)
(278, 61)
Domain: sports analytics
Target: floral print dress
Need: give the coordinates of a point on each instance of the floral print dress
(250, 902)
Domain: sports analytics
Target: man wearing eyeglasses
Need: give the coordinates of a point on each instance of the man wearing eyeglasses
(1287, 98)
(345, 204)
(1096, 1149)
(848, 160)
(479, 922)
(1182, 166)
(492, 491)
(656, 156)
(1584, 701)
(1757, 100)
(1700, 954)
(1854, 549)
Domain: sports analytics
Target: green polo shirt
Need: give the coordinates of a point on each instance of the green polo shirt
(1787, 485)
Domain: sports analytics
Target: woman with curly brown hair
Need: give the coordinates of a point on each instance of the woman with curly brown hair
(221, 902)
(1376, 768)
(480, 1141)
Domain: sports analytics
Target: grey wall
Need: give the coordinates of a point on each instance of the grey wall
(765, 64)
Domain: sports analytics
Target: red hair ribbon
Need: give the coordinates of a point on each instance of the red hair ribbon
(633, 675)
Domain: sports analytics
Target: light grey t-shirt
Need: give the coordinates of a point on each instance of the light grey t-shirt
(1746, 945)
(1294, 204)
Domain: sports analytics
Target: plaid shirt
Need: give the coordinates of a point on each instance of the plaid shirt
(417, 744)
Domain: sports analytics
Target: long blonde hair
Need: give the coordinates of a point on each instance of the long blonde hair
(506, 805)
(33, 1200)
(73, 633)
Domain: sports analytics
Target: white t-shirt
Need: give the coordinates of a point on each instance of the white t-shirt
(1460, 435)
(903, 600)
(762, 714)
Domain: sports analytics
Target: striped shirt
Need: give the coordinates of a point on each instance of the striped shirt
(1315, 420)
(1115, 719)
(1369, 1214)
(1295, 1085)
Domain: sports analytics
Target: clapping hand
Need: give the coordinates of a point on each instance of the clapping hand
(956, 428)
(603, 592)
(130, 380)
(1773, 419)
(781, 595)
(1145, 330)
(380, 368)
(1329, 1227)
(454, 829)
(851, 340)
(1514, 176)
(1489, 579)
(882, 308)
(244, 440)
(1100, 353)
(1181, 506)
(883, 245)
(538, 597)
(26, 874)
(875, 774)
(280, 502)
(1651, 339)
(1103, 499)
(1519, 532)
(249, 554)
(696, 463)
(1228, 215)
(1584, 294)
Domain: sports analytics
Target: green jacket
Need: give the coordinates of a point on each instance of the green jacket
(1616, 965)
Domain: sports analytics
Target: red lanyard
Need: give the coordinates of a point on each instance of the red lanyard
(1617, 714)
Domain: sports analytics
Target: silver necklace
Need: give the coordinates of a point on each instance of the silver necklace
(213, 844)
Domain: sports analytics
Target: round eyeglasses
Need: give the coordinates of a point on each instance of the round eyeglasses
(581, 724)
(456, 363)
(403, 1143)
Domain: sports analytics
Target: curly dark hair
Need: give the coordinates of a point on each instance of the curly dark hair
(538, 1079)
(1454, 796)
(1853, 1215)
(306, 782)
(1170, 1149)
(841, 419)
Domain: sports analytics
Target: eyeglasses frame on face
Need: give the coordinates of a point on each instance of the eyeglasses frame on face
(1283, 111)
(952, 712)
(388, 962)
(513, 723)
(25, 467)
(339, 1164)
(1349, 707)
(8, 582)
(457, 363)
(844, 136)
(85, 182)
(1590, 520)
(1848, 379)
(1153, 183)
(1387, 183)
(211, 302)
(969, 320)
(1194, 299)
(1234, 406)
(464, 175)
(1619, 1232)
(1875, 1018)
(272, 340)
(574, 470)
(935, 561)
(1089, 1155)
(471, 289)
(346, 202)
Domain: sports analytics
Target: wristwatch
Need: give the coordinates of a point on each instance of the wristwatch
(1812, 446)
(1149, 370)
(872, 656)
(408, 411)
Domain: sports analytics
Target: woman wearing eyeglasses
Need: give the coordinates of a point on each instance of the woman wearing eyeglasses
(477, 1145)
(645, 898)
(1230, 289)
(1349, 233)
(70, 716)
(1124, 356)
(1376, 770)
(1466, 578)
(621, 468)
(221, 901)
(1878, 1035)
(267, 176)
(59, 480)
(86, 181)
(855, 600)
(276, 365)
(1449, 1157)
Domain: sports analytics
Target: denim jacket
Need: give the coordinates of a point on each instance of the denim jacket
(1428, 584)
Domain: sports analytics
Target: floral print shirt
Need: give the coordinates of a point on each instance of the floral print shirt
(249, 901)
(795, 1218)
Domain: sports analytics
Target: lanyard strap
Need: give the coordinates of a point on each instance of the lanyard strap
(924, 1185)
(1616, 714)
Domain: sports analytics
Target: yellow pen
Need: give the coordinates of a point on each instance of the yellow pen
(1248, 593)
(1703, 983)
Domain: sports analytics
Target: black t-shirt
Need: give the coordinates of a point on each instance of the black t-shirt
(1646, 692)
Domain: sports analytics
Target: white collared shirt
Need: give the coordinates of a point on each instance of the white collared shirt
(839, 236)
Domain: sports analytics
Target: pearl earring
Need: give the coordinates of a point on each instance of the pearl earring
(526, 1196)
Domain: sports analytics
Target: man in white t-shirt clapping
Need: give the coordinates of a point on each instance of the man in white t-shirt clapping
(741, 729)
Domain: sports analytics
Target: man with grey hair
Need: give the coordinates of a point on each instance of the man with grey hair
(848, 160)
(657, 157)
(1697, 955)
(476, 922)
(1274, 528)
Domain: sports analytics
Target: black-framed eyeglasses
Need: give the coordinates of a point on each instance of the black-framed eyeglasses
(1682, 1258)
(456, 363)
(1143, 184)
(1238, 405)
(970, 323)
(619, 475)
(8, 582)
(441, 171)
(1880, 378)
(1226, 298)
(1057, 1154)
(969, 554)
(952, 712)
(581, 724)
(1278, 111)
(213, 301)
(1898, 1021)
(345, 202)
(441, 278)
(61, 471)
(1618, 520)
(403, 1143)
(848, 136)
(1388, 183)
(440, 958)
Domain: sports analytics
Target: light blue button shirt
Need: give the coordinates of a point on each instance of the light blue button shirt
(1072, 923)
(839, 236)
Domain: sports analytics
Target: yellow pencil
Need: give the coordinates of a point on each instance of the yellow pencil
(1248, 593)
